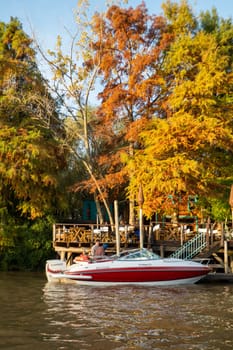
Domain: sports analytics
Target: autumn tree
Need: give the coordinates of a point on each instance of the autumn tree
(74, 84)
(159, 77)
(132, 45)
(190, 151)
(30, 156)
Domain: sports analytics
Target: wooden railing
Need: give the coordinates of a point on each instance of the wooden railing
(67, 234)
(83, 235)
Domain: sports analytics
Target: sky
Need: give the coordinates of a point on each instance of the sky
(49, 18)
(46, 19)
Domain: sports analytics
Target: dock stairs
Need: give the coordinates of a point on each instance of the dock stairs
(196, 246)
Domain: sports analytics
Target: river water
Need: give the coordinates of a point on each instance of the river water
(36, 315)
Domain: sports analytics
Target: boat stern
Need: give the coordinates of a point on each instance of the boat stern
(54, 269)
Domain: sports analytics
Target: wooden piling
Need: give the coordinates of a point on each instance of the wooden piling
(225, 256)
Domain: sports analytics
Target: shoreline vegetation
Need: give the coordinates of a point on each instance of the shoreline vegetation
(159, 141)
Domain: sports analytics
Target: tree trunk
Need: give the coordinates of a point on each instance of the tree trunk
(99, 211)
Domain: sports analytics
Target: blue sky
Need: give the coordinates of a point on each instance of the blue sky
(49, 18)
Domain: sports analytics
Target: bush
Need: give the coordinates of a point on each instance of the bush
(30, 245)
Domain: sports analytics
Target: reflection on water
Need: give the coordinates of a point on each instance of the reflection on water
(39, 315)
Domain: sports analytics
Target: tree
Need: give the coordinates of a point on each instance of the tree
(161, 76)
(74, 82)
(189, 151)
(30, 156)
(132, 45)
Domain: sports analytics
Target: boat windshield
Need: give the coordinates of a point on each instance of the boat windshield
(138, 254)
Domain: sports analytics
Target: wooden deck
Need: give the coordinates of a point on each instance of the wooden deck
(75, 237)
(80, 235)
(69, 239)
(217, 277)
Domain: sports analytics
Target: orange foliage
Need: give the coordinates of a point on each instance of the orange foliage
(131, 45)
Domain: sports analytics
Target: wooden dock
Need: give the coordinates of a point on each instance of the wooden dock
(217, 277)
(69, 240)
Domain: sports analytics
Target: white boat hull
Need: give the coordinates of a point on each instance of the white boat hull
(152, 272)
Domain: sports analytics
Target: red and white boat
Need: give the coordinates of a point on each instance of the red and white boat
(135, 267)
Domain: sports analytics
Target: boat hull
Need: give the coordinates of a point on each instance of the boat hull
(107, 274)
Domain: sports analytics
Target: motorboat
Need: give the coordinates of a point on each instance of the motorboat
(130, 267)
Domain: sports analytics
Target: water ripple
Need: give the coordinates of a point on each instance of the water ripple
(39, 315)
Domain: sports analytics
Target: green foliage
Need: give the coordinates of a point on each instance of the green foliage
(180, 18)
(29, 245)
(30, 155)
(165, 110)
(220, 210)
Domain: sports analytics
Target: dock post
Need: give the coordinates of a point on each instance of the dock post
(162, 251)
(225, 256)
(182, 235)
(62, 255)
(140, 202)
(231, 264)
(117, 227)
(222, 235)
(69, 255)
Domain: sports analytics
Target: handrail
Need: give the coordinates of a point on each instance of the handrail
(191, 247)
